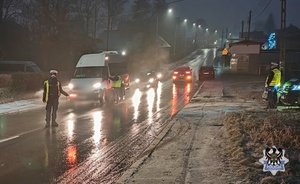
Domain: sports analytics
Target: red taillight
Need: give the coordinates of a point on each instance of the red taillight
(187, 72)
(175, 72)
(72, 95)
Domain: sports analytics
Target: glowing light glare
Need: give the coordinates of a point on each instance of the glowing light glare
(151, 80)
(174, 100)
(150, 101)
(97, 126)
(185, 20)
(97, 85)
(71, 86)
(106, 58)
(72, 155)
(272, 41)
(137, 80)
(159, 75)
(71, 125)
(136, 99)
(123, 53)
(188, 88)
(170, 10)
(296, 87)
(158, 93)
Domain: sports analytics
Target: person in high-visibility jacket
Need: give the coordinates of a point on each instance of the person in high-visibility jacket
(51, 94)
(272, 82)
(117, 86)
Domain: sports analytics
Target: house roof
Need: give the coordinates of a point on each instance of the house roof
(118, 41)
(163, 43)
(246, 42)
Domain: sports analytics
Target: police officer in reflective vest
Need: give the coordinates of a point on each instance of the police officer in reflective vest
(272, 82)
(117, 86)
(52, 91)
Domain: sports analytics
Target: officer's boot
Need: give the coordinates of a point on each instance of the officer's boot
(54, 124)
(47, 119)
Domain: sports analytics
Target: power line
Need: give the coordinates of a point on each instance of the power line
(263, 10)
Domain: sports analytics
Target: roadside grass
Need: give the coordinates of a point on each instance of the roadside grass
(248, 133)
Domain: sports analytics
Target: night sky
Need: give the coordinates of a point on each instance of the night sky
(222, 14)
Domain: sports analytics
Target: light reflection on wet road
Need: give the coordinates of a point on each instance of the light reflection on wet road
(88, 137)
(91, 144)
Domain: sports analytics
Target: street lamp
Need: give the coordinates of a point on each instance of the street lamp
(170, 11)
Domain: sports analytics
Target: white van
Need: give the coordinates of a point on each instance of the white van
(91, 78)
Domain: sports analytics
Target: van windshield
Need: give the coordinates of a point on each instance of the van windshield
(91, 72)
(118, 68)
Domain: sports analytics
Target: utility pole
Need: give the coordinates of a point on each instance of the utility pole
(108, 24)
(157, 36)
(249, 25)
(177, 20)
(242, 34)
(222, 41)
(282, 63)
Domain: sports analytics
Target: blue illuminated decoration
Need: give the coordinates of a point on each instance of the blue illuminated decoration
(272, 41)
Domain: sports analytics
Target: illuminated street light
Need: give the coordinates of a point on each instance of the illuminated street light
(206, 29)
(185, 20)
(194, 24)
(216, 31)
(170, 10)
(199, 26)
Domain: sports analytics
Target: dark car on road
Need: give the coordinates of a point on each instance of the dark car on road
(206, 72)
(182, 74)
(150, 80)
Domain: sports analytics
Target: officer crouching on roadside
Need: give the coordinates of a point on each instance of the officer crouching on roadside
(272, 82)
(52, 91)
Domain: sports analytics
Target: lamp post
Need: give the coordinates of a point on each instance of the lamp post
(185, 26)
(170, 10)
(175, 35)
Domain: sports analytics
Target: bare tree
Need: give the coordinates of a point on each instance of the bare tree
(141, 9)
(9, 9)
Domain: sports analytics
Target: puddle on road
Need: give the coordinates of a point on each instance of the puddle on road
(231, 110)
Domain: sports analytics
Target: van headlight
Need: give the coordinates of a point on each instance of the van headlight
(71, 86)
(97, 85)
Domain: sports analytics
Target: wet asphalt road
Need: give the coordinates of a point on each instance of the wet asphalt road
(92, 144)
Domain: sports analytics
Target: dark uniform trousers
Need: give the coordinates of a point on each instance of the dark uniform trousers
(52, 106)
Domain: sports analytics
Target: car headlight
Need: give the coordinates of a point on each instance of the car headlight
(151, 80)
(159, 75)
(97, 85)
(71, 86)
(137, 80)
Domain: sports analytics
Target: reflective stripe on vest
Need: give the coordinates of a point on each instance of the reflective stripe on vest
(117, 83)
(47, 89)
(276, 79)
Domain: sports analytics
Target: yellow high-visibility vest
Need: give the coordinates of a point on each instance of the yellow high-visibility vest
(118, 83)
(47, 89)
(276, 79)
